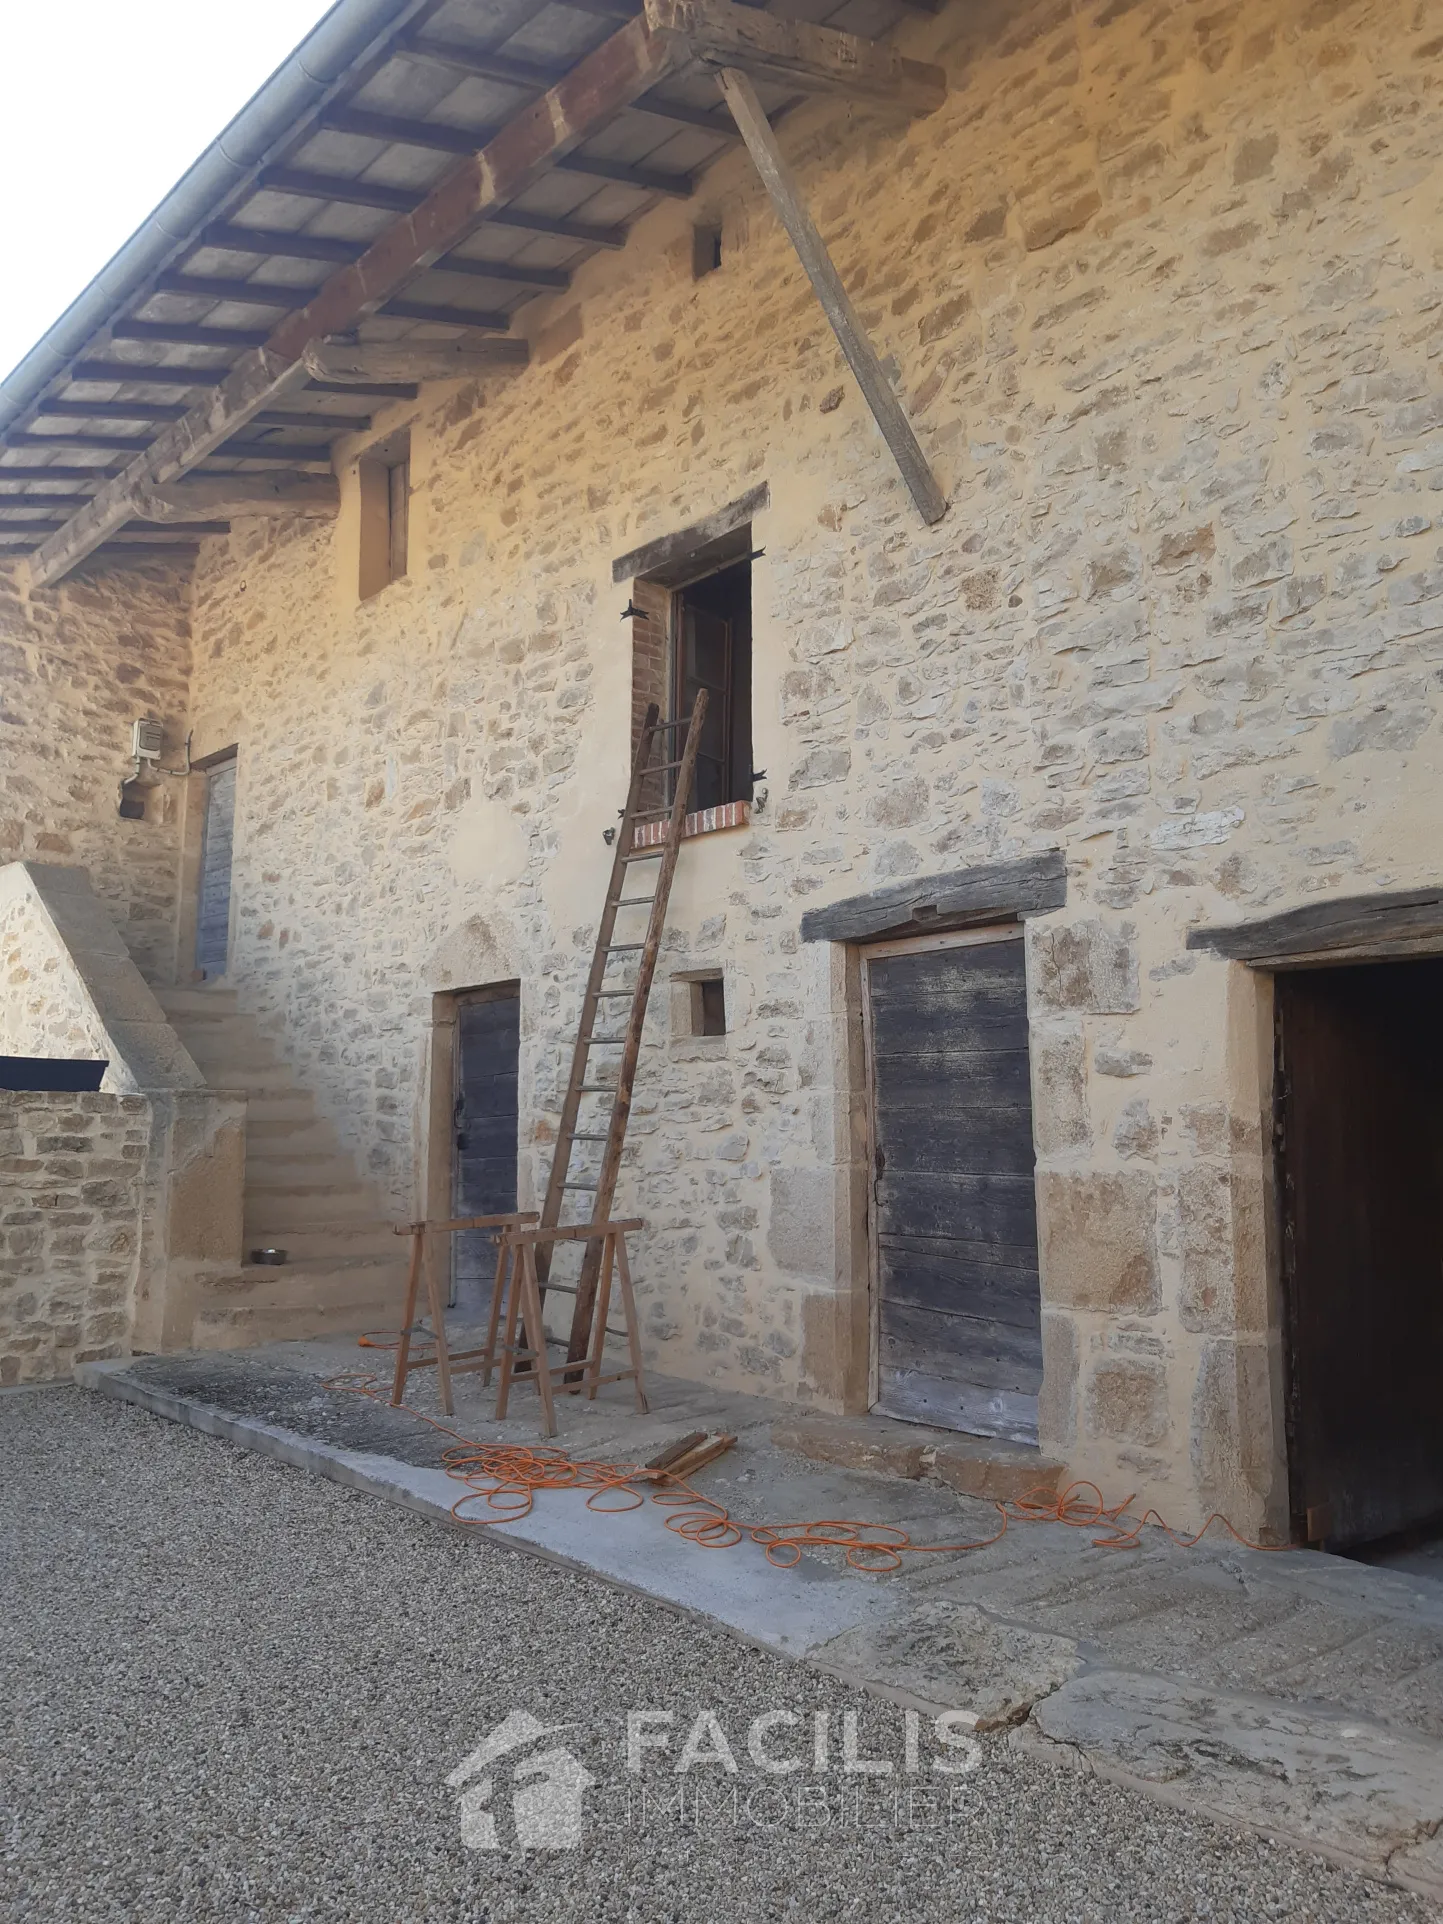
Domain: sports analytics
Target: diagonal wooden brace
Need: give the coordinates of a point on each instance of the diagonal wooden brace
(780, 183)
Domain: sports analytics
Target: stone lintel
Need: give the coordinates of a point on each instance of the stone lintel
(1349, 927)
(993, 891)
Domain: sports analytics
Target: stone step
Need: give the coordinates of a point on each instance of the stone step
(224, 1063)
(320, 1281)
(272, 1080)
(972, 1465)
(200, 1001)
(281, 1206)
(274, 1136)
(305, 1243)
(281, 1106)
(282, 1167)
(242, 1327)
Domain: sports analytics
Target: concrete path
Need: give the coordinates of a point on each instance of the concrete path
(1298, 1694)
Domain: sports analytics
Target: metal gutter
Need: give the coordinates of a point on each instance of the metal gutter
(332, 46)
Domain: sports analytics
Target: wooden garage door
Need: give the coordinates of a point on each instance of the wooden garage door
(954, 1223)
(488, 1046)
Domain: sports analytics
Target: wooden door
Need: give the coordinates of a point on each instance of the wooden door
(488, 1031)
(1360, 1153)
(954, 1220)
(212, 921)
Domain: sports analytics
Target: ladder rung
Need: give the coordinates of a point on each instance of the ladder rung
(589, 1135)
(596, 1088)
(661, 727)
(651, 815)
(623, 948)
(634, 902)
(580, 1185)
(644, 854)
(611, 994)
(662, 768)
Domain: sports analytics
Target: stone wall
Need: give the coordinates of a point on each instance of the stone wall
(69, 987)
(72, 1174)
(78, 665)
(1161, 286)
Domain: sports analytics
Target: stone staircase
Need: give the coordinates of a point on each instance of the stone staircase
(344, 1271)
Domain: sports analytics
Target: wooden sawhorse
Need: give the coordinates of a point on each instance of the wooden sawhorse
(441, 1358)
(523, 1302)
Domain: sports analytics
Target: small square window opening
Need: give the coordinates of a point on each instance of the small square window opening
(709, 1006)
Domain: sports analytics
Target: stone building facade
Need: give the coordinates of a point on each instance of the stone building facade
(1162, 289)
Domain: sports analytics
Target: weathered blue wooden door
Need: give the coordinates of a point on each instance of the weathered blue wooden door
(488, 1049)
(212, 922)
(954, 1221)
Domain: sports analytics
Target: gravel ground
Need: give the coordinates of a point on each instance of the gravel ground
(235, 1692)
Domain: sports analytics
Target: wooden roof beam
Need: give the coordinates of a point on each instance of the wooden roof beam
(226, 497)
(340, 362)
(201, 377)
(795, 54)
(395, 200)
(602, 84)
(187, 334)
(162, 411)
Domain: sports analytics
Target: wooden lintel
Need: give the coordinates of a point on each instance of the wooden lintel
(228, 496)
(600, 86)
(370, 361)
(797, 55)
(777, 177)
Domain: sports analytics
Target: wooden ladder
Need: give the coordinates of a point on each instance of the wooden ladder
(603, 992)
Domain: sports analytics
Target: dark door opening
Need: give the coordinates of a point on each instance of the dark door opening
(212, 920)
(713, 628)
(488, 1043)
(1360, 1163)
(954, 1214)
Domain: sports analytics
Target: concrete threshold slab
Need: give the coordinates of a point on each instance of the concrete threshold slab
(1008, 1634)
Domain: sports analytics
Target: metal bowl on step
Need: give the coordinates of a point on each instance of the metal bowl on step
(272, 1257)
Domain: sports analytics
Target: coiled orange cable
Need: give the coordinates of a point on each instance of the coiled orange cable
(506, 1477)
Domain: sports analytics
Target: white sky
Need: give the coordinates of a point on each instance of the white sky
(106, 105)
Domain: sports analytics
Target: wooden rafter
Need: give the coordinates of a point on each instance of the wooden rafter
(341, 364)
(793, 53)
(223, 497)
(669, 37)
(597, 88)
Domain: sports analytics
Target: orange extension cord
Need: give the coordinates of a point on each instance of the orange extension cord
(506, 1477)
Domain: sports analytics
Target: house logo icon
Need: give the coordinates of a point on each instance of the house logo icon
(547, 1788)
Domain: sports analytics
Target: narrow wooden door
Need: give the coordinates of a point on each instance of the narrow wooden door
(212, 921)
(488, 1046)
(954, 1223)
(1360, 1152)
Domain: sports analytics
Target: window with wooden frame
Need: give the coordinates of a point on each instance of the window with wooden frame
(712, 649)
(385, 475)
(696, 633)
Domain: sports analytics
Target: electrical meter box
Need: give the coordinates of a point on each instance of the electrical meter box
(146, 737)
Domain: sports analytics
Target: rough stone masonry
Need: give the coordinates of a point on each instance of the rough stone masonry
(1160, 285)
